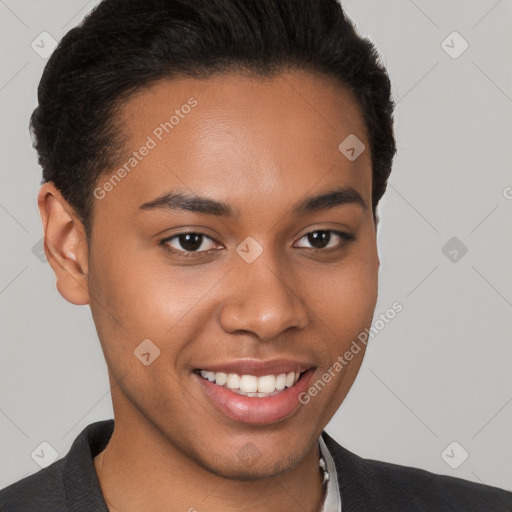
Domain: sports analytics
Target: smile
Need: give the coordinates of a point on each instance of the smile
(250, 385)
(255, 399)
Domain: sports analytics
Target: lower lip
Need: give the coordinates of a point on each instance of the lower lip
(256, 410)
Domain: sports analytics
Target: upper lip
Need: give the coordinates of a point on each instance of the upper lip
(257, 367)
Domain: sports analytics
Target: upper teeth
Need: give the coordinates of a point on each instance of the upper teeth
(249, 384)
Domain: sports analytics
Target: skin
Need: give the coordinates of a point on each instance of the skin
(261, 146)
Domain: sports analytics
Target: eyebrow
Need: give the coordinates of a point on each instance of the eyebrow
(189, 202)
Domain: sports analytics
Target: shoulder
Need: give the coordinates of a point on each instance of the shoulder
(42, 491)
(381, 486)
(68, 484)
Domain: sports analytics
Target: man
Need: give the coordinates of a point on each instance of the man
(212, 170)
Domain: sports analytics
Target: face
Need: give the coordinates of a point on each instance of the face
(240, 243)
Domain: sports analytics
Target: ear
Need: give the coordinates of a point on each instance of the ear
(65, 244)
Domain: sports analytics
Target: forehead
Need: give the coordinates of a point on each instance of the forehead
(235, 137)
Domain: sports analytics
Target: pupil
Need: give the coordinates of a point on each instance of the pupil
(190, 241)
(319, 239)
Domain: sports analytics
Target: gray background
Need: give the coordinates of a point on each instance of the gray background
(438, 373)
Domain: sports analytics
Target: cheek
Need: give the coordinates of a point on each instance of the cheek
(134, 299)
(343, 305)
(345, 295)
(121, 301)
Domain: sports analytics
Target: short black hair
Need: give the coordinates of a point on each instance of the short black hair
(123, 46)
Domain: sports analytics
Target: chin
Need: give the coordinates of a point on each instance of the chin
(248, 474)
(251, 465)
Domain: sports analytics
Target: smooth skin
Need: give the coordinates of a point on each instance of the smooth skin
(261, 146)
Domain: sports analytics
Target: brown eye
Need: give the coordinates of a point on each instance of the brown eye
(319, 239)
(188, 243)
(325, 239)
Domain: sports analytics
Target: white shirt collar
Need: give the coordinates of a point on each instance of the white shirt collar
(332, 501)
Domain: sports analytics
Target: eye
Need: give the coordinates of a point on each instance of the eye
(188, 243)
(325, 239)
(195, 244)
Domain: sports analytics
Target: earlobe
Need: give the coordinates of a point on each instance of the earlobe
(65, 244)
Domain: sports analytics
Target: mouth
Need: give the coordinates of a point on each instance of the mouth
(255, 399)
(251, 385)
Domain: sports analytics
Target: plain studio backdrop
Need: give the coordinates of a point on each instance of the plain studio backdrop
(435, 390)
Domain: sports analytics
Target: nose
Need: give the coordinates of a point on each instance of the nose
(261, 301)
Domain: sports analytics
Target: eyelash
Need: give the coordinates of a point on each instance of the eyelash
(346, 237)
